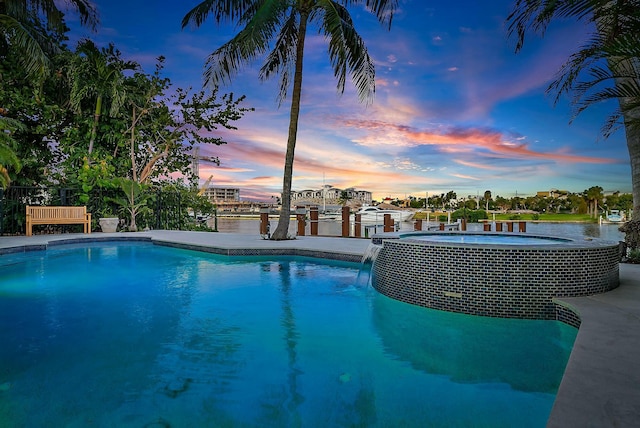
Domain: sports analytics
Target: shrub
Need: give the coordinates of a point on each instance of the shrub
(472, 216)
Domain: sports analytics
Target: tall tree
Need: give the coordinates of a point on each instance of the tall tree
(450, 196)
(610, 63)
(276, 30)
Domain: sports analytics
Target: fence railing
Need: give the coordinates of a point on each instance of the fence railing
(168, 210)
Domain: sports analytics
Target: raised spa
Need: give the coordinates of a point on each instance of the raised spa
(493, 274)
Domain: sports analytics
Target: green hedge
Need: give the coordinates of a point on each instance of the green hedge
(472, 216)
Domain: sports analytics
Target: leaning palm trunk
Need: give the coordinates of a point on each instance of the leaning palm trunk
(282, 230)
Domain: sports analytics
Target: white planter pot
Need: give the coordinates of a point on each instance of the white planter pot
(109, 224)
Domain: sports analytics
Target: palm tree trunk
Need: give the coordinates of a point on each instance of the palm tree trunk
(132, 147)
(633, 145)
(96, 119)
(631, 118)
(282, 230)
(133, 210)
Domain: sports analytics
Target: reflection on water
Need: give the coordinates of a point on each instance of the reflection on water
(474, 349)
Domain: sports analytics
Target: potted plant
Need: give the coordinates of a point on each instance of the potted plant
(133, 200)
(108, 221)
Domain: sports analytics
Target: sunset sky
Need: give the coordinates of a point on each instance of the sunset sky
(455, 107)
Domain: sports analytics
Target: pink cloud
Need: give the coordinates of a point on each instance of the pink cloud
(457, 139)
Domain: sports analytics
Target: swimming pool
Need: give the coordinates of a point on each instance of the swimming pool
(145, 335)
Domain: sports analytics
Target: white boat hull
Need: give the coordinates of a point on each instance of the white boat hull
(378, 218)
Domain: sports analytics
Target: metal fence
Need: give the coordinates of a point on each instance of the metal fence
(167, 209)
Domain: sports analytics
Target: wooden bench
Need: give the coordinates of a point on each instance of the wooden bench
(57, 215)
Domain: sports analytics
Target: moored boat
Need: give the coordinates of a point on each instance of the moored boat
(615, 216)
(375, 215)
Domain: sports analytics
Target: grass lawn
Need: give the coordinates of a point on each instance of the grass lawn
(585, 218)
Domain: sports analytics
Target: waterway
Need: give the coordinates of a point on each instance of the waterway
(608, 232)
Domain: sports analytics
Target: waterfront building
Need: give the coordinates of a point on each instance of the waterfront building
(330, 195)
(217, 195)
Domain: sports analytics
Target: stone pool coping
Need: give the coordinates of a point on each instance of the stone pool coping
(229, 244)
(565, 241)
(601, 384)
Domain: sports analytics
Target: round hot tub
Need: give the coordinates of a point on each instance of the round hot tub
(492, 274)
(494, 239)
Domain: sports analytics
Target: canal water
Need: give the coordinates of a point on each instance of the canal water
(608, 232)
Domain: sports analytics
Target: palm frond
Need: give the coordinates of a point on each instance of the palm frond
(528, 14)
(87, 12)
(222, 10)
(347, 50)
(281, 59)
(536, 15)
(607, 67)
(33, 58)
(382, 9)
(250, 43)
(49, 11)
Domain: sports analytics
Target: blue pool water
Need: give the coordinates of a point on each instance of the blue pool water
(459, 238)
(140, 335)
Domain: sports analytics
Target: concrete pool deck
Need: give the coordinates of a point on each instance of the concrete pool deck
(601, 384)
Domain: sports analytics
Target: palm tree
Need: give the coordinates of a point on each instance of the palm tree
(487, 198)
(616, 44)
(24, 24)
(276, 30)
(97, 74)
(594, 196)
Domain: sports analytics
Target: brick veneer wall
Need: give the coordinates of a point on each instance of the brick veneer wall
(495, 280)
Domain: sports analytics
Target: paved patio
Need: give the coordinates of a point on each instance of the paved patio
(601, 385)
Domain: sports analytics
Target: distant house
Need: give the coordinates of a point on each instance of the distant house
(553, 193)
(329, 195)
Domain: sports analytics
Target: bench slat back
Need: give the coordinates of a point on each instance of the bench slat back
(43, 213)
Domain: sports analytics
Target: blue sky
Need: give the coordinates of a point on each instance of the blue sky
(455, 107)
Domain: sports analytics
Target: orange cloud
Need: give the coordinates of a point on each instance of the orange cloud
(456, 140)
